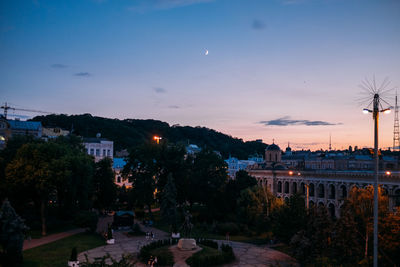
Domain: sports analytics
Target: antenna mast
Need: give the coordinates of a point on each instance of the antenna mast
(330, 142)
(396, 142)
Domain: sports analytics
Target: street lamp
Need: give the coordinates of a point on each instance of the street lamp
(377, 108)
(157, 138)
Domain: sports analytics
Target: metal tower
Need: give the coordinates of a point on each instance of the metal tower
(396, 142)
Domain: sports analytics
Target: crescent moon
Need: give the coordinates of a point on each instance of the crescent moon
(206, 53)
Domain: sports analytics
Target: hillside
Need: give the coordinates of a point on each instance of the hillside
(131, 132)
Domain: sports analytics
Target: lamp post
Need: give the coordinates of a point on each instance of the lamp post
(157, 138)
(375, 115)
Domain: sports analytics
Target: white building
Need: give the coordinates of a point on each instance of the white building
(234, 165)
(118, 165)
(99, 148)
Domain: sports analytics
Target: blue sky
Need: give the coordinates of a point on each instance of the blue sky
(282, 69)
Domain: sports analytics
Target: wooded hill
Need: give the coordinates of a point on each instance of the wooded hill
(131, 132)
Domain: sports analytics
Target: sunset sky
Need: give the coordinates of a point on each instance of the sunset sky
(287, 70)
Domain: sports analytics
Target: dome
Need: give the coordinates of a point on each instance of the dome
(273, 147)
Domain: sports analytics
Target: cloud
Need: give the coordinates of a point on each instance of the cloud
(159, 90)
(286, 121)
(83, 74)
(58, 66)
(145, 5)
(258, 25)
(174, 107)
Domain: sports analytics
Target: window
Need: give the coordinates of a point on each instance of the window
(108, 152)
(97, 152)
(92, 151)
(104, 152)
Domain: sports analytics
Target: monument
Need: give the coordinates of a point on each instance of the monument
(187, 243)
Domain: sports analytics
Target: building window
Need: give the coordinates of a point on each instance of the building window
(104, 152)
(119, 179)
(108, 152)
(97, 152)
(92, 151)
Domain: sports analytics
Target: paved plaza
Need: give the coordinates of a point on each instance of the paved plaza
(246, 254)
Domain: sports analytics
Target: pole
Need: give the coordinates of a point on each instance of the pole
(376, 159)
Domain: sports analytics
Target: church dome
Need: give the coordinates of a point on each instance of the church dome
(273, 147)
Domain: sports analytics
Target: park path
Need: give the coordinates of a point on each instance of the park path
(32, 243)
(248, 255)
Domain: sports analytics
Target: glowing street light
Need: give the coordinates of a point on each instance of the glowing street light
(157, 138)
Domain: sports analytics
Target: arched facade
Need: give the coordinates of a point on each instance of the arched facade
(327, 189)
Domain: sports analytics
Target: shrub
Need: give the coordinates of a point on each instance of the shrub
(228, 227)
(208, 243)
(87, 219)
(74, 255)
(202, 258)
(147, 251)
(124, 262)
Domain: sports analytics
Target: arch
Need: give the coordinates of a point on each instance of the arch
(311, 204)
(279, 187)
(303, 189)
(118, 179)
(286, 187)
(397, 198)
(343, 191)
(312, 190)
(321, 204)
(331, 209)
(332, 192)
(321, 191)
(294, 188)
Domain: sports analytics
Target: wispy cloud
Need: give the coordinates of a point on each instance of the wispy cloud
(58, 66)
(144, 5)
(174, 107)
(83, 74)
(159, 90)
(258, 24)
(286, 121)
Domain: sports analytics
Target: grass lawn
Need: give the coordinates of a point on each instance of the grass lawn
(57, 254)
(164, 256)
(50, 231)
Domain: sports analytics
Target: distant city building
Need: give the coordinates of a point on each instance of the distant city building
(235, 165)
(192, 149)
(18, 127)
(118, 166)
(99, 147)
(5, 131)
(54, 132)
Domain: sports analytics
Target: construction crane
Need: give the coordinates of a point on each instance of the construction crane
(6, 107)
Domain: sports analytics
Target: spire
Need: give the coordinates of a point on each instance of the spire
(330, 141)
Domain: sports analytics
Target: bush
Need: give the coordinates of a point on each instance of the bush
(74, 254)
(124, 262)
(208, 243)
(228, 227)
(210, 258)
(147, 251)
(87, 219)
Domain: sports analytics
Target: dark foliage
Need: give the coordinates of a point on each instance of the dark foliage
(87, 219)
(74, 254)
(131, 132)
(146, 252)
(225, 256)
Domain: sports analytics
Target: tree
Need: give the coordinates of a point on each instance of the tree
(105, 190)
(290, 218)
(12, 231)
(143, 171)
(251, 206)
(208, 178)
(168, 203)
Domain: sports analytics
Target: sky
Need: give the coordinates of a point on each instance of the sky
(282, 70)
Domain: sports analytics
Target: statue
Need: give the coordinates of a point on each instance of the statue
(187, 226)
(187, 243)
